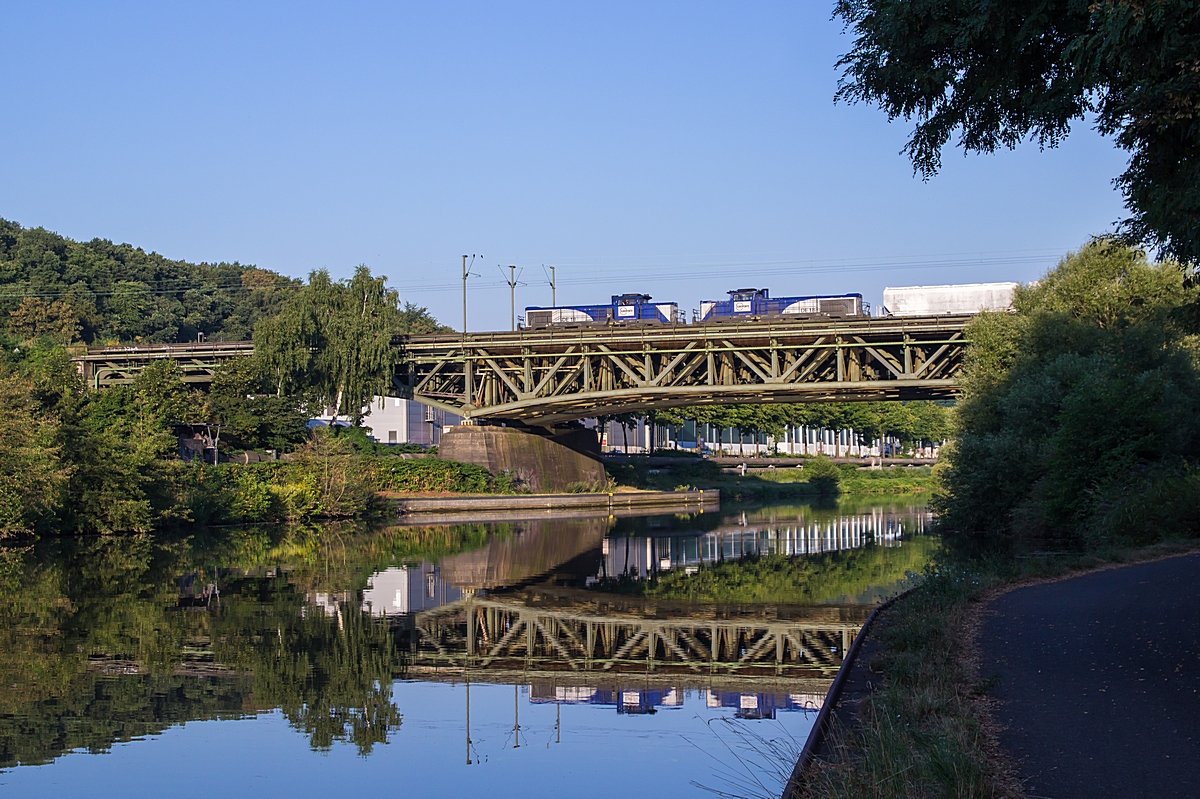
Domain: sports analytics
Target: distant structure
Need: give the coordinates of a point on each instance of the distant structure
(393, 420)
(966, 298)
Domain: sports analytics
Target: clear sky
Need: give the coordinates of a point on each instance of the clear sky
(676, 148)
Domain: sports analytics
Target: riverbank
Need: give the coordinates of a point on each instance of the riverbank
(924, 727)
(447, 509)
(816, 477)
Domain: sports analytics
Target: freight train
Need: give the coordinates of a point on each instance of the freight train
(758, 304)
(636, 308)
(742, 303)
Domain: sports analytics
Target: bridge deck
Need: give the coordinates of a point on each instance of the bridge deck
(551, 375)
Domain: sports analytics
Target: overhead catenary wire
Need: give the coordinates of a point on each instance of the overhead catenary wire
(598, 273)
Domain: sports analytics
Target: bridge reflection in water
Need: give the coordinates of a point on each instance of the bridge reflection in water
(524, 610)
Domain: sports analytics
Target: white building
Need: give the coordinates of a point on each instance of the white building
(407, 589)
(402, 421)
(393, 420)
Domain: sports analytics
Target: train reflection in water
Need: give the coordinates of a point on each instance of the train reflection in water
(641, 701)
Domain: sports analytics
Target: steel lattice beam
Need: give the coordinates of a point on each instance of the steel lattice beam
(499, 635)
(554, 375)
(103, 367)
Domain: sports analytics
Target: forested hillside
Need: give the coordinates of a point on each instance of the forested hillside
(99, 292)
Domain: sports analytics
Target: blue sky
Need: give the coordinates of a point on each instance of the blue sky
(681, 149)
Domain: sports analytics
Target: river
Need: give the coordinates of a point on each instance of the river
(666, 655)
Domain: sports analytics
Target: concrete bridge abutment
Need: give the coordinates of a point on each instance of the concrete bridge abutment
(547, 460)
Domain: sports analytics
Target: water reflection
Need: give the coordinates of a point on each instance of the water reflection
(802, 531)
(352, 636)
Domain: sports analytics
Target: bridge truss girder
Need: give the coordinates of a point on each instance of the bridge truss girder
(487, 635)
(554, 375)
(103, 367)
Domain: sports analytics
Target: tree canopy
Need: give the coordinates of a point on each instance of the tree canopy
(332, 340)
(63, 290)
(997, 74)
(1081, 414)
(906, 421)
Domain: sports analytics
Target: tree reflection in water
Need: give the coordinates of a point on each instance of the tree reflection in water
(109, 639)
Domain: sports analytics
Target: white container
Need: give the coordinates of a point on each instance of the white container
(966, 298)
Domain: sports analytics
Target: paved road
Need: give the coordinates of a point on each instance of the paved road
(1099, 681)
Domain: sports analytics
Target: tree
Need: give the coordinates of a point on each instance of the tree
(359, 317)
(248, 416)
(334, 339)
(1081, 411)
(416, 320)
(32, 475)
(625, 420)
(997, 74)
(104, 292)
(35, 318)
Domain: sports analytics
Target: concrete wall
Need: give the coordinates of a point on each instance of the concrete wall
(547, 463)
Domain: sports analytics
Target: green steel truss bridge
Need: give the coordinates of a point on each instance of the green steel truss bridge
(103, 367)
(551, 375)
(581, 635)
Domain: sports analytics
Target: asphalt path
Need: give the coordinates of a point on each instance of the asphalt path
(1098, 679)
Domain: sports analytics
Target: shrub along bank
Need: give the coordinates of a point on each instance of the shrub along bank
(1079, 433)
(74, 460)
(324, 480)
(819, 477)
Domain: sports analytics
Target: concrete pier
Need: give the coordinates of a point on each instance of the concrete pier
(546, 460)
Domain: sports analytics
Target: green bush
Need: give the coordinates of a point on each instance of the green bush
(430, 475)
(1081, 416)
(823, 475)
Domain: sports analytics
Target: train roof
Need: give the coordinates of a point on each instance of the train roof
(795, 296)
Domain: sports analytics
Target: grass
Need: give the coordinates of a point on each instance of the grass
(769, 484)
(924, 730)
(782, 579)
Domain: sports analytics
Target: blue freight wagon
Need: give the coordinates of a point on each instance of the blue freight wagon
(635, 308)
(759, 303)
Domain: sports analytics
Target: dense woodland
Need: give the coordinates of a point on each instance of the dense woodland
(98, 292)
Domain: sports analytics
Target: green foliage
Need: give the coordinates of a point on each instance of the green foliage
(996, 74)
(770, 484)
(908, 422)
(1079, 406)
(333, 339)
(249, 416)
(430, 475)
(823, 475)
(792, 580)
(33, 477)
(61, 290)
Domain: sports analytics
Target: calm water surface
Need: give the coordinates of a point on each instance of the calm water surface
(657, 655)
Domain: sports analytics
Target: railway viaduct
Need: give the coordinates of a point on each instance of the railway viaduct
(519, 392)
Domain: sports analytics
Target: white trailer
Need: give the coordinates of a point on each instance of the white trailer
(936, 300)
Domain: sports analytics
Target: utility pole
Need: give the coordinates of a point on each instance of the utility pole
(464, 296)
(516, 719)
(511, 280)
(553, 297)
(466, 273)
